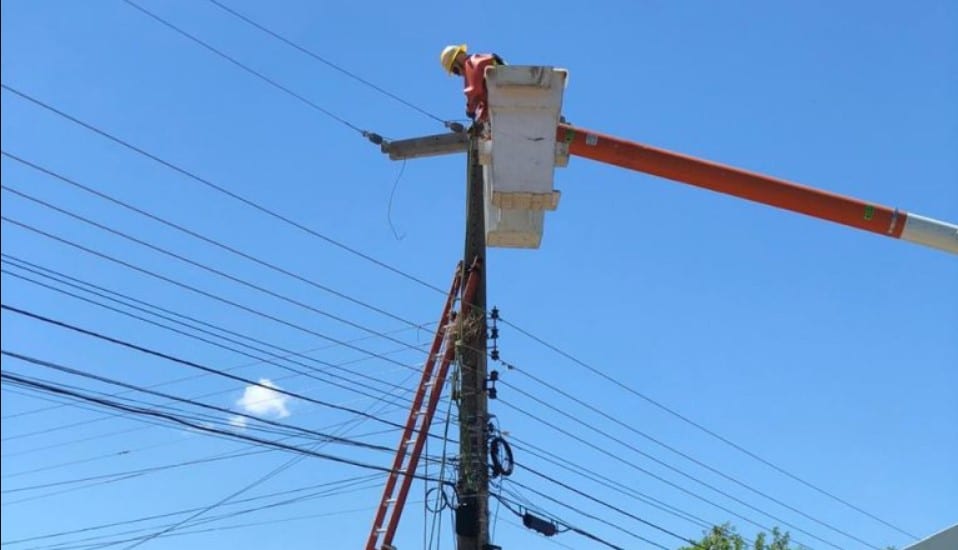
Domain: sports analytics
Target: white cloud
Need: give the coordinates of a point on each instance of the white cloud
(262, 400)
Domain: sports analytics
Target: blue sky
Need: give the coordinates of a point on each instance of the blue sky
(829, 352)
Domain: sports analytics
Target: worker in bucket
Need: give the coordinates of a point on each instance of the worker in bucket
(455, 60)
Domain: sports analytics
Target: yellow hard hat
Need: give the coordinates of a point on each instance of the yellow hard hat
(449, 54)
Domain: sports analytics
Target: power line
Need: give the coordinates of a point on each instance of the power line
(339, 487)
(290, 463)
(703, 429)
(235, 350)
(194, 425)
(204, 238)
(217, 344)
(195, 289)
(237, 526)
(107, 478)
(220, 273)
(579, 511)
(296, 372)
(197, 366)
(250, 70)
(605, 481)
(221, 189)
(368, 477)
(568, 487)
(167, 314)
(658, 442)
(635, 466)
(568, 527)
(691, 477)
(324, 61)
(188, 363)
(75, 372)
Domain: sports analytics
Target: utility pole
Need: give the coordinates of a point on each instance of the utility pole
(472, 487)
(472, 515)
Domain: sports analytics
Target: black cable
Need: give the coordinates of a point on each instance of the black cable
(345, 486)
(684, 474)
(198, 366)
(607, 482)
(637, 467)
(658, 442)
(16, 262)
(201, 427)
(297, 372)
(204, 238)
(578, 530)
(236, 526)
(274, 356)
(221, 273)
(112, 381)
(223, 190)
(197, 290)
(248, 69)
(288, 464)
(125, 300)
(191, 364)
(106, 478)
(367, 477)
(568, 487)
(194, 416)
(323, 60)
(703, 429)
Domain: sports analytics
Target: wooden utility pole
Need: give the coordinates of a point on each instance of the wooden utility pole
(472, 514)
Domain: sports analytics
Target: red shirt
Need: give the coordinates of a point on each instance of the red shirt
(474, 74)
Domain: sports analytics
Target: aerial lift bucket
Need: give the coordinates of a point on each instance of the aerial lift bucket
(519, 153)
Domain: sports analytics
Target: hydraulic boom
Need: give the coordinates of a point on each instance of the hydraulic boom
(868, 216)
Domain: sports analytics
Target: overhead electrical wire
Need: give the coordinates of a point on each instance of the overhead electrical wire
(348, 388)
(660, 443)
(249, 69)
(235, 196)
(704, 429)
(185, 362)
(296, 372)
(174, 526)
(228, 527)
(637, 467)
(218, 272)
(197, 366)
(577, 510)
(208, 240)
(606, 481)
(225, 500)
(335, 488)
(324, 60)
(273, 357)
(197, 426)
(691, 477)
(127, 473)
(196, 290)
(225, 410)
(168, 315)
(288, 464)
(142, 519)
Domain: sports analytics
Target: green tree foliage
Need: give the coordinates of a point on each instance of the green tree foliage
(724, 537)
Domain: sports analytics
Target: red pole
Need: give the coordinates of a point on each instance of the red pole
(733, 181)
